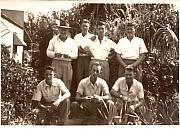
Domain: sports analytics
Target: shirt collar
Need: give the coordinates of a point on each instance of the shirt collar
(85, 35)
(128, 39)
(127, 85)
(46, 85)
(89, 82)
(104, 38)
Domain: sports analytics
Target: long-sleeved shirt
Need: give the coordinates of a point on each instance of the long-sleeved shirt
(68, 47)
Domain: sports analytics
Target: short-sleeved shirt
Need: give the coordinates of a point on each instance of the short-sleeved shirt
(68, 47)
(86, 88)
(81, 40)
(49, 93)
(101, 50)
(136, 91)
(131, 49)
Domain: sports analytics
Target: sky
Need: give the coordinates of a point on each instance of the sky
(36, 6)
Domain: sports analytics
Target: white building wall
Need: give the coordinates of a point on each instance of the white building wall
(8, 39)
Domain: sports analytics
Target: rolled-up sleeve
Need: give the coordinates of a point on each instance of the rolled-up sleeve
(50, 50)
(37, 93)
(105, 88)
(116, 85)
(118, 47)
(74, 50)
(143, 48)
(80, 89)
(140, 91)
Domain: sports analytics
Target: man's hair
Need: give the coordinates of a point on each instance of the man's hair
(130, 69)
(85, 21)
(96, 64)
(50, 68)
(101, 23)
(130, 23)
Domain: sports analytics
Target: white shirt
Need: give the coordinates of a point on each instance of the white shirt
(86, 88)
(136, 91)
(131, 49)
(68, 47)
(81, 40)
(101, 50)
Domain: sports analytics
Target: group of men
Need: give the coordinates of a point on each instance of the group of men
(92, 52)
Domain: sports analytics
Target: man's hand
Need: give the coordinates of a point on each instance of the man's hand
(97, 98)
(126, 99)
(56, 103)
(132, 108)
(58, 55)
(93, 38)
(66, 56)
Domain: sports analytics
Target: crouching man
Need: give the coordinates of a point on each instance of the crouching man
(129, 93)
(93, 99)
(50, 99)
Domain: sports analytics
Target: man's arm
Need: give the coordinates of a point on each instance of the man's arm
(139, 60)
(50, 50)
(74, 50)
(120, 60)
(66, 94)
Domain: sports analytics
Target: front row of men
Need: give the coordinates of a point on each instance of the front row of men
(93, 98)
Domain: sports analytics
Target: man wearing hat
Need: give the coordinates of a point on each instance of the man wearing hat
(131, 51)
(63, 50)
(100, 48)
(83, 55)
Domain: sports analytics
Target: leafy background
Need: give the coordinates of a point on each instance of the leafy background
(158, 25)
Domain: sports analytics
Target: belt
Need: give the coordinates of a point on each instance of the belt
(130, 59)
(98, 59)
(82, 54)
(63, 59)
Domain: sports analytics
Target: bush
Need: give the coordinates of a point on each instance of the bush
(17, 84)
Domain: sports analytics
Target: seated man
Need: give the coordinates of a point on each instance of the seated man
(51, 98)
(129, 91)
(91, 94)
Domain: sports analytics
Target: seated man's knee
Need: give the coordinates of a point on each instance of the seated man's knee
(74, 104)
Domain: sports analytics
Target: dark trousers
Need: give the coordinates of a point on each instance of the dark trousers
(82, 67)
(90, 110)
(60, 113)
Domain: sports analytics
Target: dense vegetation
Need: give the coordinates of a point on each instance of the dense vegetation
(157, 25)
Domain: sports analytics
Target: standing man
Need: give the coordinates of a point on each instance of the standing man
(63, 49)
(129, 91)
(91, 93)
(53, 93)
(83, 59)
(100, 48)
(131, 51)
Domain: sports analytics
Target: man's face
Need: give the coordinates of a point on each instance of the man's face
(85, 27)
(49, 74)
(130, 31)
(64, 32)
(55, 28)
(129, 75)
(101, 30)
(96, 71)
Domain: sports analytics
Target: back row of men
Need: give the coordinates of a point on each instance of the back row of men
(92, 53)
(88, 48)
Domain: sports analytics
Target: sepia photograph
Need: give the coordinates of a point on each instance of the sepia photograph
(89, 62)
